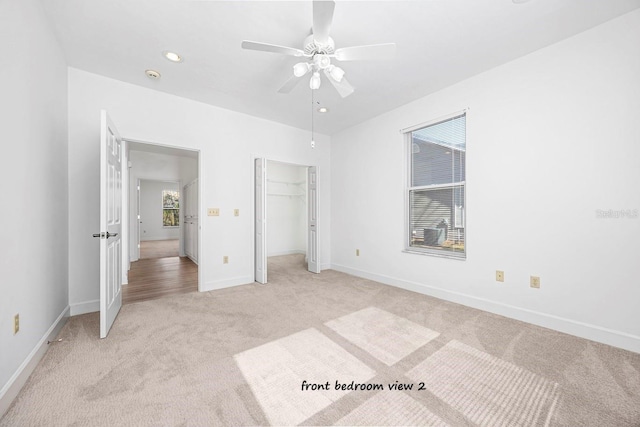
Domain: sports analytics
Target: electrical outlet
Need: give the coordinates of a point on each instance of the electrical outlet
(225, 259)
(213, 212)
(357, 252)
(535, 282)
(16, 324)
(236, 212)
(499, 276)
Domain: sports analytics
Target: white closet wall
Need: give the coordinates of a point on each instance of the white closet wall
(286, 209)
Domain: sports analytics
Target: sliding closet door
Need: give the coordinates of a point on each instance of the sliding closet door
(313, 263)
(260, 216)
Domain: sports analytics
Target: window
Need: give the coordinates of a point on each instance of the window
(170, 208)
(436, 188)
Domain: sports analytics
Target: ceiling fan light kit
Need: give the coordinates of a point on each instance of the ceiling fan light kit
(315, 81)
(336, 73)
(301, 68)
(320, 49)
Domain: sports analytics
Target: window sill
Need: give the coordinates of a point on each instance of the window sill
(437, 254)
(170, 226)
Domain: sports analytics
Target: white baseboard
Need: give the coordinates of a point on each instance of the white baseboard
(85, 307)
(226, 283)
(573, 327)
(20, 377)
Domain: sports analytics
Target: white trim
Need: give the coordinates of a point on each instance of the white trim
(85, 307)
(21, 375)
(573, 327)
(227, 283)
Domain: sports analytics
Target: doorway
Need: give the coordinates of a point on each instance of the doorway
(285, 218)
(163, 182)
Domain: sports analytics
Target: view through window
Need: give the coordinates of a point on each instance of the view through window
(170, 208)
(436, 188)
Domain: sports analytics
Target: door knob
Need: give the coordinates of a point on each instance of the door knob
(107, 235)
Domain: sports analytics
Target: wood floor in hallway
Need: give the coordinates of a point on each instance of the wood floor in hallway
(158, 277)
(159, 248)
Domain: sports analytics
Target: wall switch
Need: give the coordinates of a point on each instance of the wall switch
(499, 276)
(16, 324)
(213, 212)
(357, 252)
(535, 282)
(236, 212)
(225, 259)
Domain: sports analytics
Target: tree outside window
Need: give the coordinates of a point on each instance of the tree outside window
(170, 208)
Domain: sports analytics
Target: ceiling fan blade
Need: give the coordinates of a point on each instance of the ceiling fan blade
(343, 87)
(289, 84)
(322, 18)
(373, 51)
(266, 47)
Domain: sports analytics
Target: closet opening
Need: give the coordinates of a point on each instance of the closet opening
(286, 218)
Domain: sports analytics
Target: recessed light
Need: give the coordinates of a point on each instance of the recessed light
(172, 56)
(152, 74)
(323, 110)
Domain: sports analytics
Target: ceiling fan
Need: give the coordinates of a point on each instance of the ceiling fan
(318, 51)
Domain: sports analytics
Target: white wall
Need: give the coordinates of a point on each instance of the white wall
(286, 209)
(34, 261)
(151, 227)
(552, 137)
(227, 141)
(155, 166)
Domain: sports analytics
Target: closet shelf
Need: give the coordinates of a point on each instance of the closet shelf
(285, 194)
(286, 182)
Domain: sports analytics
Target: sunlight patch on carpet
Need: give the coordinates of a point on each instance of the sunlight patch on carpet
(485, 389)
(387, 337)
(391, 409)
(275, 372)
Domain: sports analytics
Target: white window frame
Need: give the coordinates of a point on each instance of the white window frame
(408, 151)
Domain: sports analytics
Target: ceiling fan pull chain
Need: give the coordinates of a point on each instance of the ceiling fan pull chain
(313, 142)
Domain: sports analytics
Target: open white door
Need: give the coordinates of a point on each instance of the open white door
(110, 223)
(261, 220)
(313, 264)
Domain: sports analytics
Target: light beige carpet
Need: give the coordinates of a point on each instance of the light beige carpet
(240, 356)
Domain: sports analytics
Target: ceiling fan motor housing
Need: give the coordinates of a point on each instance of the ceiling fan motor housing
(312, 47)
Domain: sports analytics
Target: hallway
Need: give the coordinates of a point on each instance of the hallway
(157, 273)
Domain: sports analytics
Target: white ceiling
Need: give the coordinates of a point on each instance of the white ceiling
(439, 42)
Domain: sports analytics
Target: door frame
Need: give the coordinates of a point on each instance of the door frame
(127, 209)
(253, 205)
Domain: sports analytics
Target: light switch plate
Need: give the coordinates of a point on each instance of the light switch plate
(236, 212)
